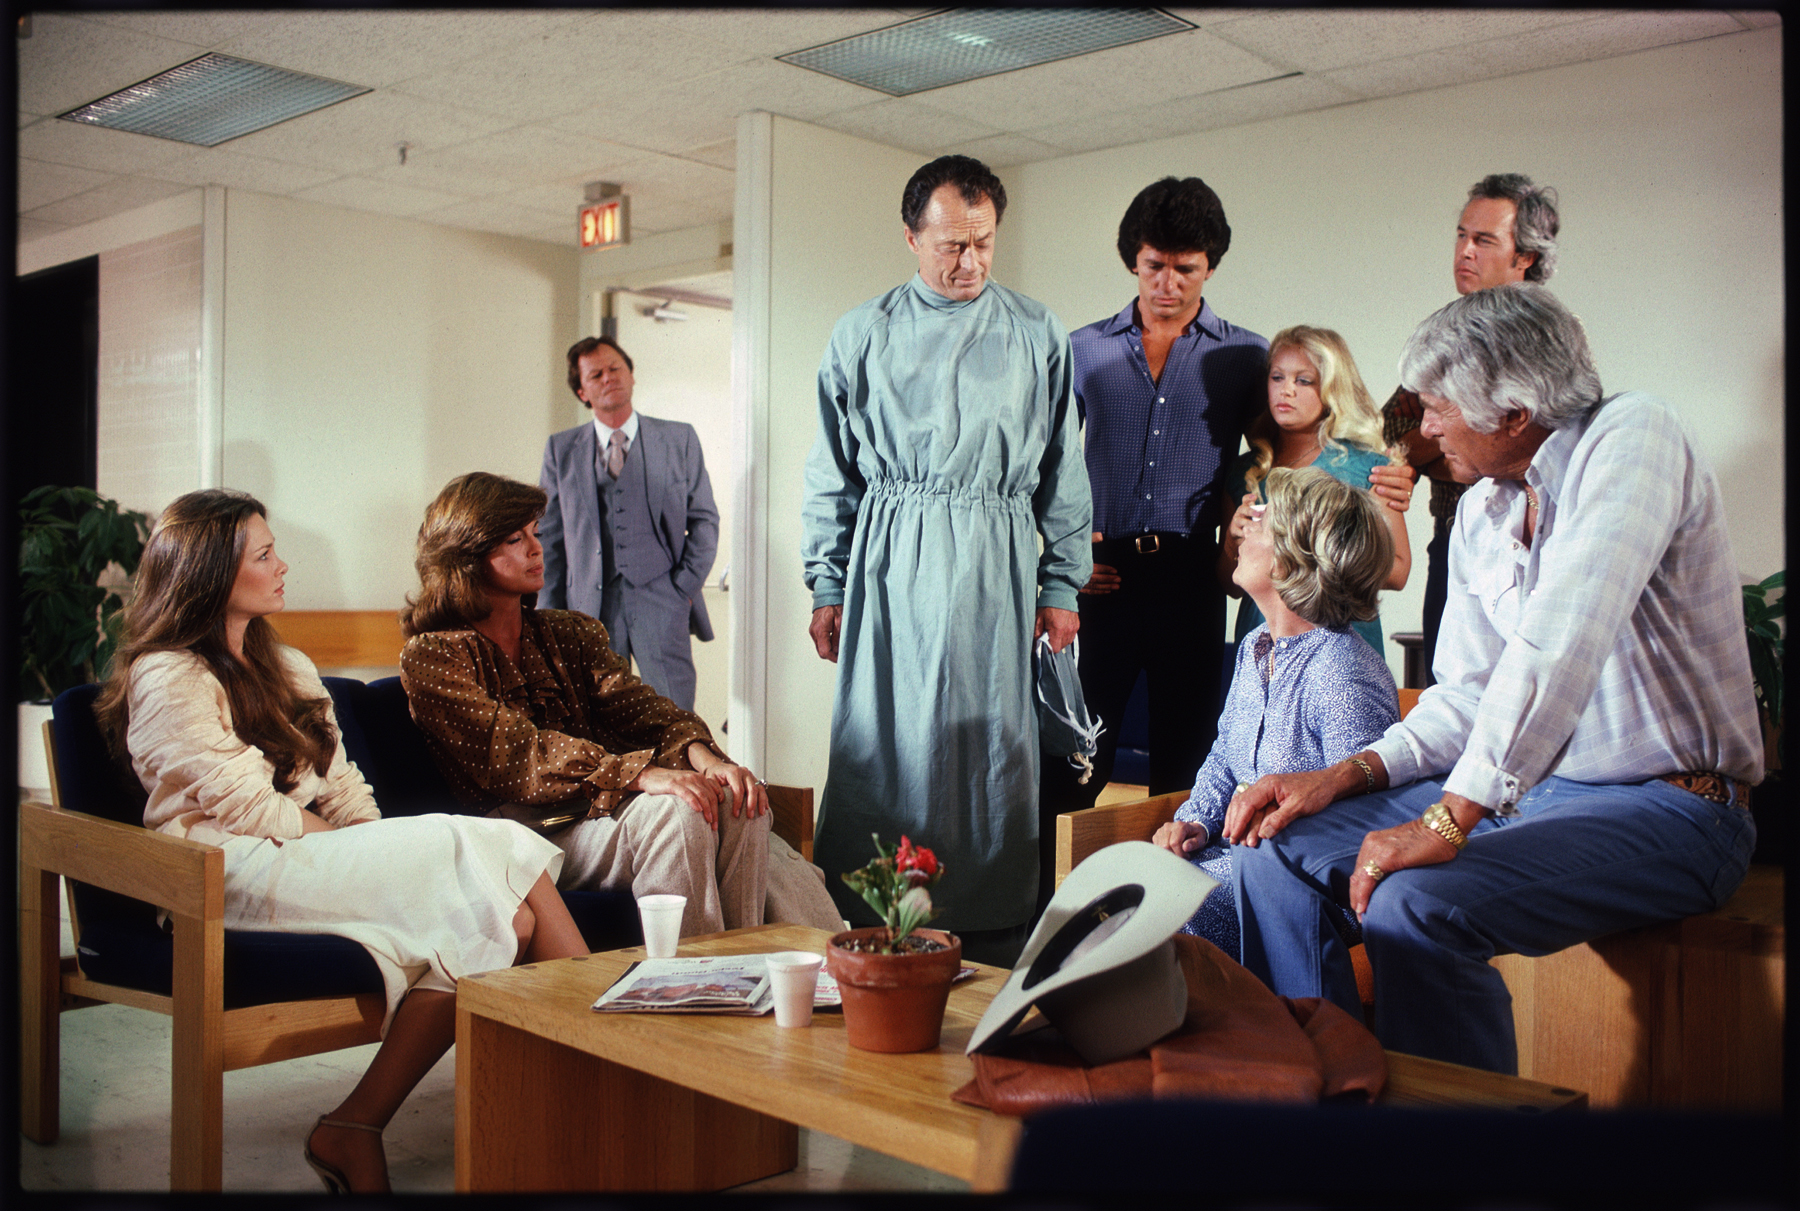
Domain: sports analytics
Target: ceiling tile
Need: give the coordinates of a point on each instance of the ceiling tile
(719, 155)
(665, 118)
(364, 132)
(531, 155)
(41, 183)
(1757, 18)
(97, 148)
(1003, 151)
(375, 48)
(670, 173)
(1321, 39)
(1125, 77)
(497, 215)
(69, 61)
(1617, 34)
(419, 173)
(777, 31)
(549, 199)
(33, 229)
(115, 197)
(780, 88)
(899, 122)
(674, 215)
(1211, 16)
(219, 166)
(563, 71)
(381, 197)
(203, 29)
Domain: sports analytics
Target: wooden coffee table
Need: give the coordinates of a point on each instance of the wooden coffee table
(552, 1096)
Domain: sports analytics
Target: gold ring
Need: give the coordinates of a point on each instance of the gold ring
(1373, 871)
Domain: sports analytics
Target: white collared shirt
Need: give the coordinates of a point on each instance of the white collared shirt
(1611, 649)
(603, 432)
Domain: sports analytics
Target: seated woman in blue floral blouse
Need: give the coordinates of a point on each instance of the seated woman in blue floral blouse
(1308, 691)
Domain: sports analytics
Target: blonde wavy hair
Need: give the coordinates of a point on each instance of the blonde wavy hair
(1331, 546)
(1350, 417)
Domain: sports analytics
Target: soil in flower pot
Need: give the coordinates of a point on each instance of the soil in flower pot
(894, 1002)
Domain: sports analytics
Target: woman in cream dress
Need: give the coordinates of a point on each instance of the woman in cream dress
(234, 739)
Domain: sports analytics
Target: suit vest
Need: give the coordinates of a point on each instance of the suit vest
(627, 527)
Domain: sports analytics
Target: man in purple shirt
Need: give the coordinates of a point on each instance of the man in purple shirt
(1165, 388)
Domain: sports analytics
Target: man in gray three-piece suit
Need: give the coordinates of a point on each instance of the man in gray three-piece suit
(630, 531)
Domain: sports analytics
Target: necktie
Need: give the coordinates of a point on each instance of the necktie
(615, 454)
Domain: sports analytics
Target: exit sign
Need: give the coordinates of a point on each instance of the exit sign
(606, 224)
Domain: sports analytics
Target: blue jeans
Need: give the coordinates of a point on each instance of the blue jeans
(1579, 861)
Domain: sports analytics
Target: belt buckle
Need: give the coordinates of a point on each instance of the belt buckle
(1155, 541)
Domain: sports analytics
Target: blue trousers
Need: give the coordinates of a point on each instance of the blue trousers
(1579, 861)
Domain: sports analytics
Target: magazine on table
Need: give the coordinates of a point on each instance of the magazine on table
(712, 984)
(733, 984)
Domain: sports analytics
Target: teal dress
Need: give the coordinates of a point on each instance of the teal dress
(947, 446)
(1349, 464)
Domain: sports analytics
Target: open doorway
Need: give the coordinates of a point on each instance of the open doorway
(679, 336)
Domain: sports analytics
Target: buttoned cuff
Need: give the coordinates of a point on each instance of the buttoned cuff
(1397, 757)
(1486, 784)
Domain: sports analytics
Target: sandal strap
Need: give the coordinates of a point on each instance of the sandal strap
(332, 1122)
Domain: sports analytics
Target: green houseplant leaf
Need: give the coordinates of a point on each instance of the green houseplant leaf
(67, 539)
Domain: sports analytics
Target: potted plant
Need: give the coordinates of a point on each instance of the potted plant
(895, 977)
(68, 538)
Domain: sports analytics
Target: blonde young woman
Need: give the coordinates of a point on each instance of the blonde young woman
(1319, 415)
(234, 739)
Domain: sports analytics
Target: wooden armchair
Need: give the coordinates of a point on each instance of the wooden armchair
(238, 999)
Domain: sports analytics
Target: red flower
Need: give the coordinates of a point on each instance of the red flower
(916, 860)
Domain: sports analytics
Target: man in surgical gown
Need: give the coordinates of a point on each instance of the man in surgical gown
(947, 444)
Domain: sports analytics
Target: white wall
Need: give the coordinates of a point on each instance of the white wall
(368, 361)
(833, 240)
(1669, 167)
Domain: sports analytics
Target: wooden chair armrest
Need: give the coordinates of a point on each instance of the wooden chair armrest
(792, 809)
(185, 877)
(1079, 834)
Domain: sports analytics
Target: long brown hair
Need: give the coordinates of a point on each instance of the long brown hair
(183, 587)
(472, 515)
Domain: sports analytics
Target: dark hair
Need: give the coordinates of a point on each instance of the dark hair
(973, 179)
(184, 585)
(472, 515)
(581, 349)
(1535, 221)
(1175, 216)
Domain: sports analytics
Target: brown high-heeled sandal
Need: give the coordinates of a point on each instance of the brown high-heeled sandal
(330, 1174)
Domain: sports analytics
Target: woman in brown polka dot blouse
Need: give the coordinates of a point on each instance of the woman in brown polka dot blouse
(531, 715)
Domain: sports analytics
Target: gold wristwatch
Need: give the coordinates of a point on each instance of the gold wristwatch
(1438, 819)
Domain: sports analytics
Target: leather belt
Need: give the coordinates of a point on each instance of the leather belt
(1146, 544)
(1716, 787)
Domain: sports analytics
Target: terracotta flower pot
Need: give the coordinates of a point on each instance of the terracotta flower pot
(894, 1002)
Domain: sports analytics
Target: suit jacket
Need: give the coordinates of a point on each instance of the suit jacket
(684, 521)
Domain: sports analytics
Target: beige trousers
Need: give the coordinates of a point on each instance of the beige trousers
(658, 845)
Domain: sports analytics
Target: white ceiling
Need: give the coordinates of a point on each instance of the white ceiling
(508, 113)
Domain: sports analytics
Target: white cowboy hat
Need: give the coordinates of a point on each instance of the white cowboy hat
(1101, 963)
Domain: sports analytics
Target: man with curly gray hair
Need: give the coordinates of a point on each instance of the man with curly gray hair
(1583, 764)
(1507, 233)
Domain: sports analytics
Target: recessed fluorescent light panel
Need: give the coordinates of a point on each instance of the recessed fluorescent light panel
(969, 43)
(212, 99)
